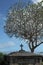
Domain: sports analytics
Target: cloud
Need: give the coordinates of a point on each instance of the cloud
(35, 1)
(6, 45)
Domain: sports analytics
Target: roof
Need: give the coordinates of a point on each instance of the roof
(22, 52)
(25, 53)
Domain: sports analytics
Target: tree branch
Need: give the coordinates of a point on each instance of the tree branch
(29, 46)
(37, 45)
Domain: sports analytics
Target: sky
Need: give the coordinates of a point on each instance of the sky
(8, 44)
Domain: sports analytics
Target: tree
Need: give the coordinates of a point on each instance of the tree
(3, 60)
(1, 57)
(26, 22)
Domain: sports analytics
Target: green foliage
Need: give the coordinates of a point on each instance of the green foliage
(1, 54)
(41, 63)
(1, 57)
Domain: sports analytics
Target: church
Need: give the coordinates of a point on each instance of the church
(23, 57)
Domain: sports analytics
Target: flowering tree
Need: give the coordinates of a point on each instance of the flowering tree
(26, 22)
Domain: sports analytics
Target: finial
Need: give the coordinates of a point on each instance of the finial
(21, 47)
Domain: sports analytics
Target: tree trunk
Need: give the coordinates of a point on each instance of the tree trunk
(32, 50)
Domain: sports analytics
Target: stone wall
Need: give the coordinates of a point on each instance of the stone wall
(15, 64)
(29, 64)
(36, 64)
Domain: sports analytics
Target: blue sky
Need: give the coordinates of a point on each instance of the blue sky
(8, 44)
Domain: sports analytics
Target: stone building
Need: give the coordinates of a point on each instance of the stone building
(23, 57)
